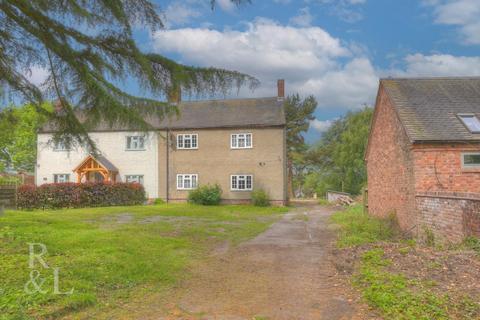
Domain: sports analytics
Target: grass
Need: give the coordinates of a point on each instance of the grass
(357, 227)
(397, 297)
(109, 254)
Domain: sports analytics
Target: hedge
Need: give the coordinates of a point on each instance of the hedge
(78, 195)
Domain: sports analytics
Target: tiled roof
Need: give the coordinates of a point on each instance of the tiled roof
(258, 112)
(428, 107)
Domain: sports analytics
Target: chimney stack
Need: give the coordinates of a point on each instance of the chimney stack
(281, 89)
(175, 95)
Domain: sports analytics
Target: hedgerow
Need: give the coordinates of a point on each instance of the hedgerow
(78, 195)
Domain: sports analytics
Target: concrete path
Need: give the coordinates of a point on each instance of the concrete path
(286, 273)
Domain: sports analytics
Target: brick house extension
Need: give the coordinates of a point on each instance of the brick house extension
(423, 155)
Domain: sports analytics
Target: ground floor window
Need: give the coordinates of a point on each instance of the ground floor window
(187, 181)
(61, 178)
(134, 178)
(241, 182)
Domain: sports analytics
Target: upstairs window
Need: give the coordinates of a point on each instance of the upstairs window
(60, 146)
(241, 182)
(187, 141)
(471, 122)
(135, 143)
(61, 178)
(187, 181)
(134, 178)
(241, 141)
(471, 160)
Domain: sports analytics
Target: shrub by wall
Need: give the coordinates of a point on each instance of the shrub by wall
(260, 198)
(206, 195)
(77, 195)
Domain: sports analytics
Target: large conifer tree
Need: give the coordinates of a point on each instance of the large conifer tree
(87, 49)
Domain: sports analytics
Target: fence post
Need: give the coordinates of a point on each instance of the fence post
(365, 200)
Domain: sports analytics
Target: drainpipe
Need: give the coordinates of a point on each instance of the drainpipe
(168, 163)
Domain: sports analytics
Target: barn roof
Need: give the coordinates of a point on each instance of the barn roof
(429, 108)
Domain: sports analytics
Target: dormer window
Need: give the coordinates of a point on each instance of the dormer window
(471, 122)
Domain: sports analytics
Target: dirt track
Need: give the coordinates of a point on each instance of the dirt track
(286, 273)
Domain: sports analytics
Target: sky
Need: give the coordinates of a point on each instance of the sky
(335, 50)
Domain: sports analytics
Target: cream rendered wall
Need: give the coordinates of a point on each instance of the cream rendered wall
(214, 161)
(112, 146)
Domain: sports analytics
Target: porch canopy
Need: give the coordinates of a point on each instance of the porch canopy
(96, 169)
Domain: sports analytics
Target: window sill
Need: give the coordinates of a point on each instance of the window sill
(135, 149)
(471, 170)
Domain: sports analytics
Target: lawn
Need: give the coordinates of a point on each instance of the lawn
(109, 254)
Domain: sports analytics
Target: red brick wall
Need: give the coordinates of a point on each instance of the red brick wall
(439, 168)
(450, 216)
(390, 166)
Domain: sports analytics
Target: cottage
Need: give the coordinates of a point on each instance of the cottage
(423, 155)
(239, 144)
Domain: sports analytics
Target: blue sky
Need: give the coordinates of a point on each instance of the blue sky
(335, 50)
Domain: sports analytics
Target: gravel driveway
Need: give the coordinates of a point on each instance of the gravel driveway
(285, 273)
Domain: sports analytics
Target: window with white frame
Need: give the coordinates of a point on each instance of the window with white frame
(136, 143)
(60, 146)
(61, 178)
(134, 178)
(187, 181)
(242, 182)
(471, 160)
(241, 141)
(187, 141)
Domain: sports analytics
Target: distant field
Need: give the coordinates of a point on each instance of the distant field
(110, 254)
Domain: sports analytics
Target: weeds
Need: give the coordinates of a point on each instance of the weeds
(394, 295)
(357, 227)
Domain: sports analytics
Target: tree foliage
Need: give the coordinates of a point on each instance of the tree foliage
(18, 129)
(298, 114)
(337, 161)
(87, 49)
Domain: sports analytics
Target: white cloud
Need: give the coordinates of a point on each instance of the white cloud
(346, 10)
(37, 75)
(180, 13)
(462, 13)
(310, 59)
(282, 1)
(445, 65)
(321, 125)
(226, 5)
(303, 19)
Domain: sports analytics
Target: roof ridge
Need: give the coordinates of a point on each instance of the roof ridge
(222, 100)
(433, 78)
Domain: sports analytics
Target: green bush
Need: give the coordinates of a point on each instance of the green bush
(206, 195)
(158, 201)
(260, 198)
(77, 195)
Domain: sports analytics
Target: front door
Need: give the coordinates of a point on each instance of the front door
(95, 177)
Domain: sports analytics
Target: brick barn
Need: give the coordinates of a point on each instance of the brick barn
(423, 156)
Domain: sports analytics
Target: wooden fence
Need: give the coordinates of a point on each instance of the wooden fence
(8, 195)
